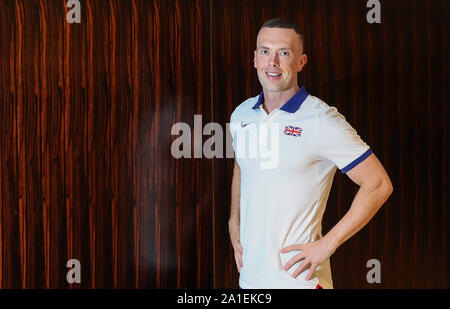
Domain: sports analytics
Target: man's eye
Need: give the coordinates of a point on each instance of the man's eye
(284, 53)
(264, 52)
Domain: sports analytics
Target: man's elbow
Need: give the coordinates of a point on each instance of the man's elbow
(386, 188)
(381, 185)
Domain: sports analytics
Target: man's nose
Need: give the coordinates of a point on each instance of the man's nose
(274, 61)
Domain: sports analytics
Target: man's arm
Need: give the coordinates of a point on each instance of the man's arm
(375, 188)
(234, 221)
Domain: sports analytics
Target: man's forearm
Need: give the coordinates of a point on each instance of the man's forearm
(366, 203)
(234, 222)
(235, 197)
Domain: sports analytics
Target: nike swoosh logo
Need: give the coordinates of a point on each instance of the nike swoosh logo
(243, 125)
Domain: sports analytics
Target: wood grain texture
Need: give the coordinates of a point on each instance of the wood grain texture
(85, 136)
(9, 185)
(87, 173)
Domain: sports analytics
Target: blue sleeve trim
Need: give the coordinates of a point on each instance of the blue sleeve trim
(357, 161)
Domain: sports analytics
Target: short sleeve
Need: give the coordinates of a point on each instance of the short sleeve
(339, 142)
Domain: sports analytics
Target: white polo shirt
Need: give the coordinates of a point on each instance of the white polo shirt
(286, 182)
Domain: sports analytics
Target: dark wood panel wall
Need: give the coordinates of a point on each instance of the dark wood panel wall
(85, 136)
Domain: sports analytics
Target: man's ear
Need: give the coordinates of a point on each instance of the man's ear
(302, 62)
(254, 59)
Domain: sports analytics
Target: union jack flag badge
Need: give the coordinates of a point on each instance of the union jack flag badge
(293, 131)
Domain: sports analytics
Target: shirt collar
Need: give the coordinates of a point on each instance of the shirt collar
(292, 105)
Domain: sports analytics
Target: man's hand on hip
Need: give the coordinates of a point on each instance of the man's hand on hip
(313, 253)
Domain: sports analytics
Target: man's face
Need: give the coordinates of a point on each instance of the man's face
(278, 58)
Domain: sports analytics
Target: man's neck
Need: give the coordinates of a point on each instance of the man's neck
(274, 100)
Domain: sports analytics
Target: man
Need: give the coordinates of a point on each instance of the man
(276, 213)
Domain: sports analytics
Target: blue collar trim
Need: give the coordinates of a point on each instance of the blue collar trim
(292, 105)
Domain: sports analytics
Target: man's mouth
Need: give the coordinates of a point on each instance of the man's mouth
(273, 75)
